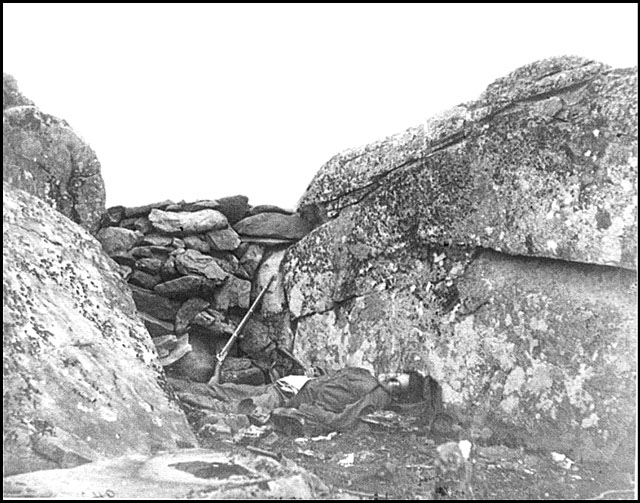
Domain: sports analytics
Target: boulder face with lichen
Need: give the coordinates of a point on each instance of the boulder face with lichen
(495, 248)
(42, 155)
(81, 376)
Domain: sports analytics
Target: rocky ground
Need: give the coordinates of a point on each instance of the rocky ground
(398, 460)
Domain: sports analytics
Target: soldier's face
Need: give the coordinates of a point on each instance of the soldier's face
(395, 383)
(314, 372)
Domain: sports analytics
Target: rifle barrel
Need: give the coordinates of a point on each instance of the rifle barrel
(222, 355)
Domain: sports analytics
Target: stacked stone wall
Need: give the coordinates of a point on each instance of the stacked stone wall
(194, 270)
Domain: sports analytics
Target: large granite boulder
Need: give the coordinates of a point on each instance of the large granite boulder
(44, 156)
(534, 351)
(545, 163)
(11, 95)
(81, 378)
(528, 341)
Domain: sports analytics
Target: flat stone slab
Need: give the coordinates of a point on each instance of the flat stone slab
(154, 304)
(194, 262)
(215, 322)
(181, 348)
(183, 223)
(267, 241)
(116, 240)
(150, 265)
(204, 204)
(250, 257)
(156, 240)
(143, 279)
(273, 225)
(234, 292)
(198, 243)
(234, 207)
(268, 208)
(112, 216)
(187, 312)
(135, 211)
(223, 239)
(155, 326)
(185, 286)
(165, 344)
(187, 473)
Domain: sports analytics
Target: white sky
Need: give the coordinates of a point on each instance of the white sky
(192, 101)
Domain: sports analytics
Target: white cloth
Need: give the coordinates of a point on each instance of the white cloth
(291, 385)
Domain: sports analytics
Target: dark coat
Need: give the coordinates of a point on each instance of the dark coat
(336, 401)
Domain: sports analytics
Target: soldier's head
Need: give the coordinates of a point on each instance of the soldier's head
(406, 386)
(314, 371)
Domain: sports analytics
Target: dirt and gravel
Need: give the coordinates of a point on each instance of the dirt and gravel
(400, 461)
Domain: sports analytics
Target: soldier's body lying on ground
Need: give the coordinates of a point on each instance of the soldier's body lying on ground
(302, 405)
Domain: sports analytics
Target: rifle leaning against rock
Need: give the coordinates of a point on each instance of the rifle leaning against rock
(222, 355)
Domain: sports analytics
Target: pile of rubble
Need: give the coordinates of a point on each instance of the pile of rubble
(194, 269)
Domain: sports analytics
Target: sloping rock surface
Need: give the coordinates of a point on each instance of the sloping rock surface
(545, 163)
(81, 378)
(530, 344)
(44, 156)
(189, 473)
